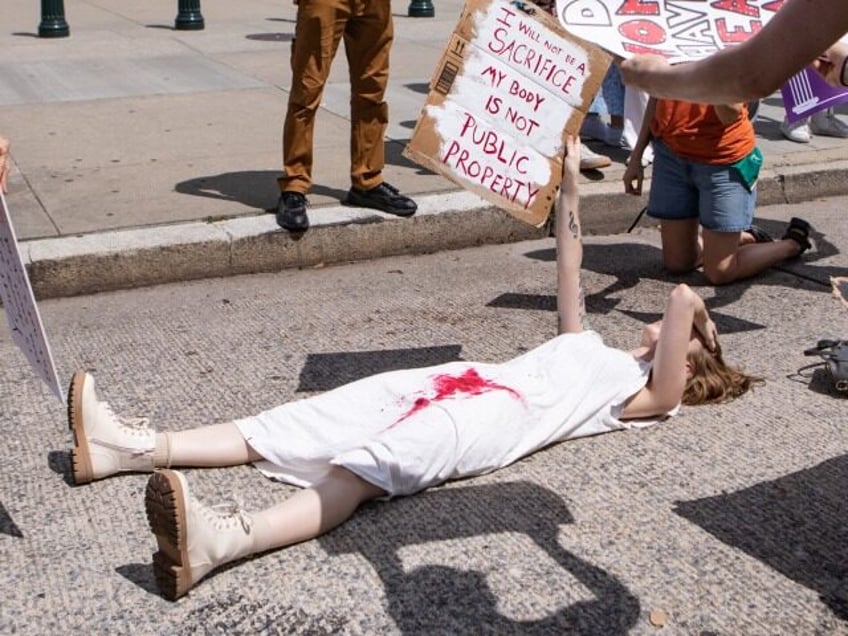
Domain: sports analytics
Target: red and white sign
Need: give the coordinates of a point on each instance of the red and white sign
(682, 30)
(509, 86)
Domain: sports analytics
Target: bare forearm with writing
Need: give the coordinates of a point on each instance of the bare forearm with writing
(569, 245)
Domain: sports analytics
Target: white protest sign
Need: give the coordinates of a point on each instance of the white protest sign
(19, 303)
(509, 86)
(679, 30)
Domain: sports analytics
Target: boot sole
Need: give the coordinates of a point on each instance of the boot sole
(80, 457)
(164, 502)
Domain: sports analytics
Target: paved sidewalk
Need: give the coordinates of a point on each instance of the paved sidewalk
(142, 154)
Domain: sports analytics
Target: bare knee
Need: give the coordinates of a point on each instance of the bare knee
(342, 479)
(678, 266)
(719, 275)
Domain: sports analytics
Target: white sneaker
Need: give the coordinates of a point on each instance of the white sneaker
(798, 131)
(193, 539)
(827, 124)
(592, 160)
(104, 443)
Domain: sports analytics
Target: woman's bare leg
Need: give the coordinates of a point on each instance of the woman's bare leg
(312, 512)
(207, 446)
(681, 245)
(193, 540)
(726, 261)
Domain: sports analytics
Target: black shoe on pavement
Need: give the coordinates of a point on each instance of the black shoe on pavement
(799, 231)
(291, 211)
(384, 197)
(759, 234)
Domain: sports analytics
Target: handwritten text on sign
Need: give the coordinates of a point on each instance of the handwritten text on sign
(508, 86)
(678, 30)
(19, 304)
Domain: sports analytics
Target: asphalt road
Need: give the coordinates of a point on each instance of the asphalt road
(725, 520)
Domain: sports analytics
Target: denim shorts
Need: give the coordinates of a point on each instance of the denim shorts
(714, 194)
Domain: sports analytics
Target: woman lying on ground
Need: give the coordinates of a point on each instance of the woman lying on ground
(400, 432)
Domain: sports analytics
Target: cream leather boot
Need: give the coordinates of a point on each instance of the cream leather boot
(104, 443)
(193, 539)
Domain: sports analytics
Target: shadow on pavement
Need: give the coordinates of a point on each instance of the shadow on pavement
(8, 525)
(253, 188)
(60, 463)
(442, 599)
(629, 263)
(141, 574)
(325, 371)
(270, 37)
(795, 524)
(258, 189)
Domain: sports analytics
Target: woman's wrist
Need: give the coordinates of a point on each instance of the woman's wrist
(843, 75)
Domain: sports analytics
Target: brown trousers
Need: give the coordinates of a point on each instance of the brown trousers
(368, 31)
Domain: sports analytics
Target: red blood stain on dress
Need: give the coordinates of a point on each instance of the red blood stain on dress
(447, 386)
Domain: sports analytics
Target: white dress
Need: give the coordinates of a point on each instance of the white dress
(407, 430)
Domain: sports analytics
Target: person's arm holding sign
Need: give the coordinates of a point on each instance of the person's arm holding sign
(569, 244)
(4, 164)
(833, 65)
(802, 32)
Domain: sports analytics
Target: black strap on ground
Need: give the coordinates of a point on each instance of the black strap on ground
(638, 217)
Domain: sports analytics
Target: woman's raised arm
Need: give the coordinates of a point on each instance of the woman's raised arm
(571, 307)
(684, 312)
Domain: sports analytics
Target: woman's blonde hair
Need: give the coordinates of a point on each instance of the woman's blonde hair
(713, 381)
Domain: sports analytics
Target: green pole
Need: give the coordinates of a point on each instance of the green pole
(189, 17)
(421, 9)
(53, 23)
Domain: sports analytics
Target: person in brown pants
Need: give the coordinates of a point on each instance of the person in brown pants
(368, 32)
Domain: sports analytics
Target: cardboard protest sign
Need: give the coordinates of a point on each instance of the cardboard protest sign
(807, 93)
(679, 30)
(19, 303)
(508, 88)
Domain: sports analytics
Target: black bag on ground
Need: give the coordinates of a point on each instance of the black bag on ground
(835, 356)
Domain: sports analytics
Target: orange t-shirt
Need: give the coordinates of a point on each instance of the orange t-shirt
(694, 132)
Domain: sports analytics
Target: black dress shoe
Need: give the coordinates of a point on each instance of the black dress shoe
(291, 211)
(384, 198)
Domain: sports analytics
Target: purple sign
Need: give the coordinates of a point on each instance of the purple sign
(807, 93)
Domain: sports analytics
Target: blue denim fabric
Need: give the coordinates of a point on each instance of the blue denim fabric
(714, 194)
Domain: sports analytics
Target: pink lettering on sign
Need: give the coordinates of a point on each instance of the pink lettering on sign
(737, 34)
(506, 45)
(773, 6)
(643, 31)
(486, 157)
(638, 7)
(493, 144)
(446, 387)
(639, 48)
(742, 7)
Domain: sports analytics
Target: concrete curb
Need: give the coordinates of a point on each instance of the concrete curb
(91, 263)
